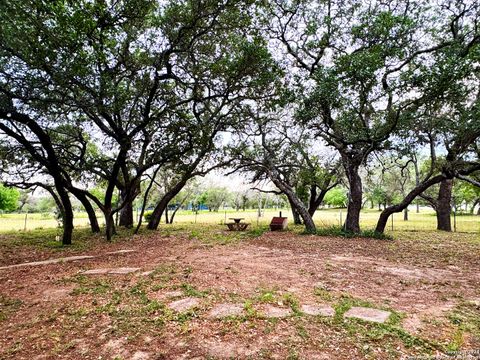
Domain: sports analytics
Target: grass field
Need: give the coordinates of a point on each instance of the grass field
(423, 221)
(427, 280)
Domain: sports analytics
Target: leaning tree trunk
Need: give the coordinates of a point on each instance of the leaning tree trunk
(352, 222)
(163, 203)
(296, 203)
(444, 205)
(383, 219)
(67, 215)
(297, 220)
(92, 217)
(64, 205)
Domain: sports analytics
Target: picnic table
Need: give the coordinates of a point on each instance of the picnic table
(237, 220)
(237, 224)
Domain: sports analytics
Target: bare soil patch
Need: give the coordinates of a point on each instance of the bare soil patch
(56, 311)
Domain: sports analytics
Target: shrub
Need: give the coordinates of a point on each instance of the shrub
(147, 215)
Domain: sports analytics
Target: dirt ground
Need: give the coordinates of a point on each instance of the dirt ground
(429, 281)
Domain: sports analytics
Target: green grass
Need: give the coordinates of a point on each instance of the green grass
(368, 334)
(335, 230)
(324, 218)
(8, 306)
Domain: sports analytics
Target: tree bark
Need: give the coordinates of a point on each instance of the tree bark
(295, 202)
(316, 200)
(163, 203)
(297, 220)
(444, 205)
(66, 210)
(352, 222)
(109, 225)
(383, 219)
(92, 217)
(126, 214)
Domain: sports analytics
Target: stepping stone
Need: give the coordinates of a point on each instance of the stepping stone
(168, 295)
(140, 355)
(271, 311)
(96, 272)
(55, 294)
(225, 310)
(172, 294)
(125, 270)
(51, 261)
(368, 314)
(120, 252)
(184, 304)
(110, 271)
(318, 310)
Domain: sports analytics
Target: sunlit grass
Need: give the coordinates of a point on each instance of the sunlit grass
(324, 218)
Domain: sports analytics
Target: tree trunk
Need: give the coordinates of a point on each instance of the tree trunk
(297, 220)
(405, 214)
(67, 215)
(444, 205)
(127, 195)
(92, 217)
(295, 202)
(383, 219)
(315, 200)
(163, 203)
(126, 215)
(352, 222)
(109, 225)
(173, 214)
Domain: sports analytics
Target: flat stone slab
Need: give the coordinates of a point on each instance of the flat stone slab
(126, 251)
(271, 311)
(110, 271)
(146, 273)
(125, 270)
(225, 310)
(50, 261)
(183, 305)
(318, 310)
(172, 294)
(368, 314)
(96, 272)
(168, 295)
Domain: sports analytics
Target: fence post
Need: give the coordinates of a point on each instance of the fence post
(455, 219)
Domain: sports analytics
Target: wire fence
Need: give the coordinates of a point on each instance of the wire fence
(424, 220)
